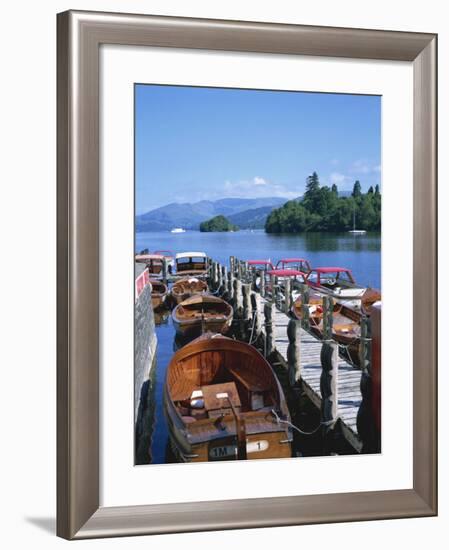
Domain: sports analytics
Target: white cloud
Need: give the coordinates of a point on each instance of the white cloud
(257, 187)
(259, 181)
(362, 166)
(337, 178)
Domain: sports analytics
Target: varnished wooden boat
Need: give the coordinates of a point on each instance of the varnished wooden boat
(193, 264)
(185, 288)
(202, 313)
(153, 262)
(159, 293)
(223, 401)
(345, 320)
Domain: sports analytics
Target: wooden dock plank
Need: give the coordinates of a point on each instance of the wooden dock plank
(349, 396)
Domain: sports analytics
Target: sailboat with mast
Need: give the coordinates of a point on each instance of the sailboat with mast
(355, 231)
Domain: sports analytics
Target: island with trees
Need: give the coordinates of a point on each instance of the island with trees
(219, 224)
(322, 209)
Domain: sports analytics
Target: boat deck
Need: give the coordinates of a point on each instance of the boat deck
(349, 395)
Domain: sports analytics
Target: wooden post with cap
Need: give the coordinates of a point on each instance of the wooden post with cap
(329, 374)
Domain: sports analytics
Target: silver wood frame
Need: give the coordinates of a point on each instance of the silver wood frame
(80, 35)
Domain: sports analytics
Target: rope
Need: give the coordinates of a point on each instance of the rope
(280, 421)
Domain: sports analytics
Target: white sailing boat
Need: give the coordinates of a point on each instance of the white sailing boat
(178, 230)
(355, 231)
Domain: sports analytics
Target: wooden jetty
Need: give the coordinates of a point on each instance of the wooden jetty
(310, 369)
(342, 392)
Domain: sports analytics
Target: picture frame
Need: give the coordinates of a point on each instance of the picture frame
(80, 34)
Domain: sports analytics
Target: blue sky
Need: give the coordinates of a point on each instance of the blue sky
(210, 143)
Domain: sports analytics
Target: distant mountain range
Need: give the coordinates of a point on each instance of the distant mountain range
(246, 213)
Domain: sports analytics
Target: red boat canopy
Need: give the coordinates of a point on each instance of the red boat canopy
(292, 260)
(254, 262)
(286, 273)
(318, 271)
(331, 270)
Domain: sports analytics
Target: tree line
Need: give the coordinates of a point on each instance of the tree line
(322, 209)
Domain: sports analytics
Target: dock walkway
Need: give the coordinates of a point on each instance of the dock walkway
(349, 395)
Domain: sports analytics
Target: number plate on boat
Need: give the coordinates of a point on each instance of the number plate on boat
(224, 452)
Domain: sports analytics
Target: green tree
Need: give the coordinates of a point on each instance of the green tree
(217, 223)
(334, 189)
(321, 209)
(357, 190)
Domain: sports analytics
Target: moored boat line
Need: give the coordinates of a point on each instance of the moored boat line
(206, 310)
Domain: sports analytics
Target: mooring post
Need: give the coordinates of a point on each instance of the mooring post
(270, 343)
(247, 310)
(261, 283)
(212, 275)
(247, 272)
(368, 416)
(224, 279)
(305, 311)
(253, 276)
(329, 375)
(230, 288)
(232, 264)
(273, 288)
(219, 276)
(257, 325)
(287, 295)
(165, 270)
(240, 270)
(294, 352)
(238, 298)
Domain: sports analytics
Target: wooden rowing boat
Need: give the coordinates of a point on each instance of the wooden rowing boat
(201, 313)
(193, 264)
(154, 263)
(345, 320)
(159, 293)
(223, 401)
(185, 288)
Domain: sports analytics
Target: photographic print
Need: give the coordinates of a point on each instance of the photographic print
(257, 274)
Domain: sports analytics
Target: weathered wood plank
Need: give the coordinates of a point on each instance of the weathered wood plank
(349, 396)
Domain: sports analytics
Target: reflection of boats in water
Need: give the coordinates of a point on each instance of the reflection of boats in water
(187, 287)
(223, 401)
(159, 293)
(161, 316)
(201, 313)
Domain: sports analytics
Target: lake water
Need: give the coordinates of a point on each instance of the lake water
(360, 253)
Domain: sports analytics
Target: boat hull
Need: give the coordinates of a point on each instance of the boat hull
(214, 434)
(192, 329)
(202, 313)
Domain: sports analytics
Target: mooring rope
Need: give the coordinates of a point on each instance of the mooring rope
(280, 421)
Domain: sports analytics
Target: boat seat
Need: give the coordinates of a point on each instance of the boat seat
(250, 380)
